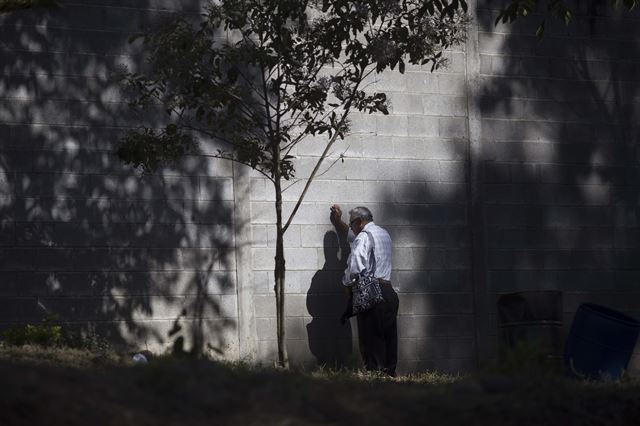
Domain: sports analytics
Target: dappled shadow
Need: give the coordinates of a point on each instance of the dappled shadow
(141, 260)
(427, 221)
(329, 341)
(560, 156)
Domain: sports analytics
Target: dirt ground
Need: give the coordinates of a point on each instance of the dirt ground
(76, 388)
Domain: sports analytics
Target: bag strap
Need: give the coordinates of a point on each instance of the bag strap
(372, 256)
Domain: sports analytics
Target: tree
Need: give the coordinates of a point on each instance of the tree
(557, 9)
(261, 76)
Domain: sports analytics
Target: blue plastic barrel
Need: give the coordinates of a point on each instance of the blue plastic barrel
(600, 342)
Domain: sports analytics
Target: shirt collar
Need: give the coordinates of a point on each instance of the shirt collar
(368, 225)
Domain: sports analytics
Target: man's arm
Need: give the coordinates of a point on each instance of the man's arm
(336, 219)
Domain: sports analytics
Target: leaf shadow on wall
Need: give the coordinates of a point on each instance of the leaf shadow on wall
(560, 165)
(142, 261)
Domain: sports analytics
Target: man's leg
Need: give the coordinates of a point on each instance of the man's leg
(390, 322)
(371, 330)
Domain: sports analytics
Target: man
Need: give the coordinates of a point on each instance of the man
(377, 327)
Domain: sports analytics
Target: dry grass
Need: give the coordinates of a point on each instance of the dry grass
(70, 387)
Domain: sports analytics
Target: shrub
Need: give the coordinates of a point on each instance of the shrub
(44, 334)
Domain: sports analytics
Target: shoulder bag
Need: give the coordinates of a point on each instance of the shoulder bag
(366, 288)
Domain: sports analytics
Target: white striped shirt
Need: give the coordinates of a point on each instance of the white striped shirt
(359, 257)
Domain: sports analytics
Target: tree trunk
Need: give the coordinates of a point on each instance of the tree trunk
(279, 272)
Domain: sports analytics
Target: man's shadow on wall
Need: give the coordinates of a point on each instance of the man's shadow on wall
(329, 341)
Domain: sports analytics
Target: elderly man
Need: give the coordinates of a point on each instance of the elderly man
(377, 327)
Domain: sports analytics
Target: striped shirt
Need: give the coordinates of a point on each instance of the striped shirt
(359, 258)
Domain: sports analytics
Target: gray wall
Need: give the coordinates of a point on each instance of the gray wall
(560, 157)
(148, 262)
(515, 168)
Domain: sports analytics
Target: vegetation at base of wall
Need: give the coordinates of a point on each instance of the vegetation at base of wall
(46, 334)
(50, 332)
(172, 391)
(527, 359)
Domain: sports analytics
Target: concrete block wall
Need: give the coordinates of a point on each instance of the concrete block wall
(560, 162)
(409, 169)
(148, 262)
(158, 261)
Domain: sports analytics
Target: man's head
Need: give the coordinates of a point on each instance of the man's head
(358, 218)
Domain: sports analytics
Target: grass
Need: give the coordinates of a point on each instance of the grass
(55, 386)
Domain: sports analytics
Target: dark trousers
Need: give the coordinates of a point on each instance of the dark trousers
(378, 333)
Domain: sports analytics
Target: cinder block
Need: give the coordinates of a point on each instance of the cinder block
(405, 104)
(263, 258)
(300, 353)
(267, 352)
(295, 305)
(378, 146)
(448, 106)
(390, 81)
(263, 213)
(20, 309)
(577, 216)
(391, 170)
(422, 82)
(444, 193)
(451, 84)
(259, 190)
(320, 235)
(494, 130)
(408, 148)
(445, 149)
(227, 305)
(496, 172)
(452, 171)
(265, 306)
(391, 125)
(199, 259)
(430, 349)
(295, 328)
(307, 282)
(491, 107)
(454, 128)
(329, 190)
(440, 304)
(17, 161)
(214, 189)
(448, 281)
(456, 63)
(595, 280)
(524, 173)
(423, 126)
(407, 349)
(266, 328)
(513, 280)
(364, 124)
(409, 326)
(423, 170)
(596, 238)
(259, 235)
(515, 215)
(485, 65)
(410, 192)
(291, 238)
